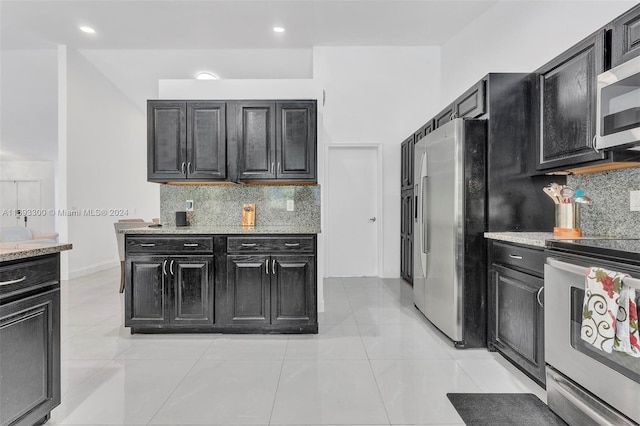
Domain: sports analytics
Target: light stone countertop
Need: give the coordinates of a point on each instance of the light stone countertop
(537, 239)
(22, 250)
(221, 230)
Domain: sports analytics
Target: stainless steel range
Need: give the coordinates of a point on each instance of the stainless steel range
(585, 385)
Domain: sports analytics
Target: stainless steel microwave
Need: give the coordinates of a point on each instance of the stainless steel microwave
(618, 107)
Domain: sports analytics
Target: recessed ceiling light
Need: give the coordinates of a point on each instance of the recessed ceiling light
(278, 29)
(206, 75)
(87, 30)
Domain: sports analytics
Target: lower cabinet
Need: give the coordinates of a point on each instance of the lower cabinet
(29, 341)
(246, 284)
(516, 306)
(169, 291)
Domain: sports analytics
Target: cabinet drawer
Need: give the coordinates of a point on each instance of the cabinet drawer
(25, 275)
(169, 244)
(519, 257)
(294, 244)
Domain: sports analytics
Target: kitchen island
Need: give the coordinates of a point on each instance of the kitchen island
(29, 331)
(223, 279)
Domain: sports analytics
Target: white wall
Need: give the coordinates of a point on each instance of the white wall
(519, 36)
(28, 120)
(106, 164)
(137, 72)
(378, 95)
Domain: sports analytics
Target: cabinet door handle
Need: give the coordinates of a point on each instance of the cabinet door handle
(538, 296)
(249, 244)
(278, 167)
(189, 168)
(171, 267)
(190, 245)
(147, 245)
(266, 267)
(164, 267)
(292, 244)
(183, 168)
(19, 280)
(593, 143)
(273, 266)
(515, 256)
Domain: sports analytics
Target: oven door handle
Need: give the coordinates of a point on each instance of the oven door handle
(581, 270)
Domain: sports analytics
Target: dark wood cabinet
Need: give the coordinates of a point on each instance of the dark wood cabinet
(276, 140)
(406, 235)
(296, 140)
(29, 340)
(186, 140)
(244, 141)
(248, 287)
(166, 284)
(567, 105)
(516, 306)
(406, 166)
(237, 284)
(470, 104)
(626, 37)
(274, 286)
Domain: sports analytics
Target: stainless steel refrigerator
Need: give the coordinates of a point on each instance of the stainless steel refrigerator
(449, 281)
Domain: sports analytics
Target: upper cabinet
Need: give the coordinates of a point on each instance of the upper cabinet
(626, 37)
(232, 141)
(567, 99)
(186, 140)
(470, 104)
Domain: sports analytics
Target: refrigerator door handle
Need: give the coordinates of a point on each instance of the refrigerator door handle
(425, 216)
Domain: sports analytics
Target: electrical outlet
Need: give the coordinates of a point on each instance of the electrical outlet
(291, 206)
(634, 201)
(189, 205)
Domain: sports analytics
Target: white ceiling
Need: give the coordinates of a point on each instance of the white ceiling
(232, 24)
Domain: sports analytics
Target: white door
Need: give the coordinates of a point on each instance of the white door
(352, 196)
(17, 195)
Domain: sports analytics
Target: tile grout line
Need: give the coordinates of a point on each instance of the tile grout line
(275, 394)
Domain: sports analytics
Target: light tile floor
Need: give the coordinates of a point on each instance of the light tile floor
(375, 361)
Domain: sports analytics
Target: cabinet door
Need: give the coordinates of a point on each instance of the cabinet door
(206, 140)
(248, 284)
(145, 291)
(192, 302)
(256, 140)
(471, 103)
(166, 141)
(293, 297)
(518, 323)
(567, 90)
(296, 136)
(444, 117)
(626, 37)
(407, 162)
(29, 358)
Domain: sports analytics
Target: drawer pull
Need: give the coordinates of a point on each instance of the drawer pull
(292, 244)
(147, 245)
(19, 280)
(515, 256)
(191, 244)
(249, 245)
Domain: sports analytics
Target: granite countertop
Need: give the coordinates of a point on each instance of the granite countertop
(22, 250)
(537, 239)
(220, 230)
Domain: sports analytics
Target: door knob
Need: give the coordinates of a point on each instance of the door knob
(372, 219)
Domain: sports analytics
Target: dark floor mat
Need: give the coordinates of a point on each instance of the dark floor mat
(524, 409)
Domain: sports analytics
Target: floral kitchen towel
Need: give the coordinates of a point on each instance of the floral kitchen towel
(600, 309)
(626, 339)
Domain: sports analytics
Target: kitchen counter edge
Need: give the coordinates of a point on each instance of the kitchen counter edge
(536, 239)
(221, 230)
(21, 251)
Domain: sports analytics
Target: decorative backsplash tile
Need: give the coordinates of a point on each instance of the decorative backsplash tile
(221, 205)
(608, 214)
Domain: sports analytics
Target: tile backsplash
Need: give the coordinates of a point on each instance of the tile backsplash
(608, 214)
(221, 205)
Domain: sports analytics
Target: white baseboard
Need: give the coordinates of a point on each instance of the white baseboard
(87, 270)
